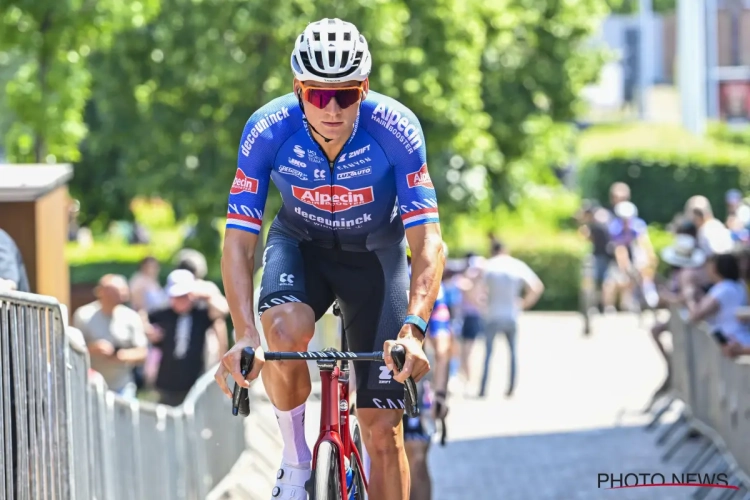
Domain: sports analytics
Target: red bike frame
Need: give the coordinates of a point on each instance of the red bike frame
(334, 421)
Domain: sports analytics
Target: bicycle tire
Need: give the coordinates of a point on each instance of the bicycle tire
(327, 473)
(357, 439)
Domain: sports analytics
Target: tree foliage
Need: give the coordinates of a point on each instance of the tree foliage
(494, 85)
(47, 92)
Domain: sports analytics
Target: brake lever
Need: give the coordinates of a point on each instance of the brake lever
(240, 395)
(398, 354)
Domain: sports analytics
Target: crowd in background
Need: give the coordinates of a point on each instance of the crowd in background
(704, 272)
(145, 336)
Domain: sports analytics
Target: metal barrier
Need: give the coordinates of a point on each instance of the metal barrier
(715, 393)
(64, 436)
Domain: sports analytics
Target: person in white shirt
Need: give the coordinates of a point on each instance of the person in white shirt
(505, 279)
(713, 235)
(722, 303)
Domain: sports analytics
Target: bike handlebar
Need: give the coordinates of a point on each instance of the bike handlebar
(241, 399)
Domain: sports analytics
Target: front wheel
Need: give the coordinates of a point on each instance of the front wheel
(327, 473)
(359, 483)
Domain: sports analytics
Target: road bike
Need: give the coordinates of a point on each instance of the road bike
(340, 439)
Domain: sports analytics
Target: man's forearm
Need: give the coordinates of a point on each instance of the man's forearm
(133, 355)
(237, 266)
(426, 273)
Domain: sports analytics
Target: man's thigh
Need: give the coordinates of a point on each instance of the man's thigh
(371, 288)
(290, 278)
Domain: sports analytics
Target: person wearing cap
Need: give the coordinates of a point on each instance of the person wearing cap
(217, 337)
(683, 256)
(179, 331)
(633, 253)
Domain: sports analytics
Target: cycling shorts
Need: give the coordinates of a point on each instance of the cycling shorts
(369, 287)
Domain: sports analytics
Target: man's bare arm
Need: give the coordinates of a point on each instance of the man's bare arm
(237, 266)
(427, 263)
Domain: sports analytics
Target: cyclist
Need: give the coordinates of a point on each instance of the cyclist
(418, 431)
(347, 162)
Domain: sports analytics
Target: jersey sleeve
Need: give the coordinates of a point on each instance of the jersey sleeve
(247, 196)
(416, 193)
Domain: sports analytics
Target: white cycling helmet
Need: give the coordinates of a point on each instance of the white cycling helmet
(331, 51)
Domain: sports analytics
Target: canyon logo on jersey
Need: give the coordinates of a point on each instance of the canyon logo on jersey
(243, 184)
(334, 198)
(420, 178)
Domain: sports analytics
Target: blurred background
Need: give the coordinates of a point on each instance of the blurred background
(120, 122)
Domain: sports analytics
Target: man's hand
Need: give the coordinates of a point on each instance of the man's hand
(416, 365)
(101, 348)
(230, 364)
(732, 350)
(439, 407)
(154, 333)
(7, 285)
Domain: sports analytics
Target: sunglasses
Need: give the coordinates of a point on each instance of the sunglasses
(320, 97)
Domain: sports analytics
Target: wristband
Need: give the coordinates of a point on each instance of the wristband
(415, 320)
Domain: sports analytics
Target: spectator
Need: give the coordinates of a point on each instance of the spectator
(12, 270)
(633, 259)
(738, 215)
(595, 227)
(179, 330)
(216, 340)
(505, 277)
(145, 289)
(618, 192)
(713, 236)
(682, 256)
(472, 303)
(725, 299)
(114, 334)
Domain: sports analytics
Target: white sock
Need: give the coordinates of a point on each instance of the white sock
(365, 461)
(292, 425)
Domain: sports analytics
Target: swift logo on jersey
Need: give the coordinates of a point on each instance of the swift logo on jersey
(334, 198)
(400, 126)
(358, 152)
(260, 126)
(243, 184)
(299, 151)
(420, 178)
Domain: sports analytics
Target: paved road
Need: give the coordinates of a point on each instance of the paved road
(576, 413)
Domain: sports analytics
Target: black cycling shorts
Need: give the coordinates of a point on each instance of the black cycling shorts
(372, 292)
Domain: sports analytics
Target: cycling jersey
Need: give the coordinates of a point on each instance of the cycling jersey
(440, 319)
(351, 203)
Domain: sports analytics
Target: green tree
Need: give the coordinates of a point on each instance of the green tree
(47, 92)
(494, 85)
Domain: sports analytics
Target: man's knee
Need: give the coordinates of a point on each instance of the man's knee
(289, 327)
(382, 430)
(416, 452)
